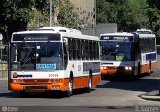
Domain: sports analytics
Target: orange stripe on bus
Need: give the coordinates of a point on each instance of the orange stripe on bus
(145, 68)
(79, 82)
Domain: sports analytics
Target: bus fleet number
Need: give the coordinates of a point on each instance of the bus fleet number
(53, 75)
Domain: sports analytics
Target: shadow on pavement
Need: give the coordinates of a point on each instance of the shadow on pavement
(144, 85)
(51, 94)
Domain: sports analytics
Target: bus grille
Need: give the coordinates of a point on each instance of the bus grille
(35, 87)
(35, 80)
(115, 68)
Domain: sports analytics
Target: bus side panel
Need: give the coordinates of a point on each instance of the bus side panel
(153, 66)
(96, 79)
(80, 82)
(145, 67)
(103, 71)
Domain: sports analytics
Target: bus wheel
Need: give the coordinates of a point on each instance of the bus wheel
(23, 94)
(137, 76)
(89, 82)
(70, 88)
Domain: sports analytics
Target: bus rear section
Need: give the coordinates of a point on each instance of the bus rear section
(41, 61)
(123, 54)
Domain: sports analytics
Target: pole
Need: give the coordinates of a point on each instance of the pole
(95, 24)
(50, 13)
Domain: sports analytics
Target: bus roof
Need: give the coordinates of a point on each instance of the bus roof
(141, 35)
(60, 29)
(144, 31)
(147, 35)
(117, 34)
(63, 31)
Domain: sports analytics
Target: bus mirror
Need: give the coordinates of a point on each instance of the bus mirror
(65, 40)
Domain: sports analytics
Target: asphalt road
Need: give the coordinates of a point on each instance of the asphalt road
(113, 96)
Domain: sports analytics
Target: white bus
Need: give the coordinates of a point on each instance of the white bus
(53, 58)
(128, 54)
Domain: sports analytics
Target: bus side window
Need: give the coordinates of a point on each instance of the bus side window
(70, 49)
(79, 49)
(65, 54)
(83, 49)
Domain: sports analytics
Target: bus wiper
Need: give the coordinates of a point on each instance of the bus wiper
(27, 53)
(115, 52)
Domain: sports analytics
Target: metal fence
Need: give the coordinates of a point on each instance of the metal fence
(3, 62)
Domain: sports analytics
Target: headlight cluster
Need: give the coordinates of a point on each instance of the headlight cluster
(18, 81)
(103, 67)
(128, 68)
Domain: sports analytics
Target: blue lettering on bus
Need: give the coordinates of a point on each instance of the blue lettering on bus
(118, 38)
(45, 66)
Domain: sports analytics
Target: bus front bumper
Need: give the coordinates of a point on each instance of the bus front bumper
(116, 71)
(38, 86)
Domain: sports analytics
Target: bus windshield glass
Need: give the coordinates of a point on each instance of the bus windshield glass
(36, 56)
(119, 51)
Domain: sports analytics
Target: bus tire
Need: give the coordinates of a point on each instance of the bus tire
(70, 87)
(89, 88)
(137, 77)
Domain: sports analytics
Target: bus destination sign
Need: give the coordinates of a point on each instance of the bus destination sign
(36, 37)
(117, 38)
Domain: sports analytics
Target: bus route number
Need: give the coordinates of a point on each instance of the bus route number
(53, 75)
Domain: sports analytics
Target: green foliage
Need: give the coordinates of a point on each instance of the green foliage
(128, 14)
(106, 12)
(14, 15)
(154, 15)
(67, 17)
(133, 15)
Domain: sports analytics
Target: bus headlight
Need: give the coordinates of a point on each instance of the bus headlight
(103, 67)
(128, 68)
(17, 80)
(14, 81)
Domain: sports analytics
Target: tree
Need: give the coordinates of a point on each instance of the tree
(128, 14)
(106, 12)
(17, 15)
(154, 15)
(67, 17)
(14, 15)
(133, 15)
(63, 14)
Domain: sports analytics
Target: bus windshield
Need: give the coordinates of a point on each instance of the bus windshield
(37, 56)
(119, 51)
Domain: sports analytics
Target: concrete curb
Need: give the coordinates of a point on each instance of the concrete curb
(146, 96)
